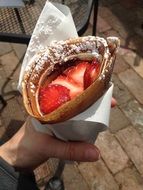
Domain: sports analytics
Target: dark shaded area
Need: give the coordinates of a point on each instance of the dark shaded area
(129, 25)
(11, 129)
(27, 182)
(15, 180)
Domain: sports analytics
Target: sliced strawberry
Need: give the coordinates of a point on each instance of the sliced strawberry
(91, 73)
(53, 96)
(75, 88)
(76, 73)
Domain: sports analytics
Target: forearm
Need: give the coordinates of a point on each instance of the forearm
(7, 154)
(12, 164)
(19, 151)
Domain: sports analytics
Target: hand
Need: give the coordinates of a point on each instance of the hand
(28, 148)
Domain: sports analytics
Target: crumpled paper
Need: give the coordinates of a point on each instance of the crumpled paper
(56, 23)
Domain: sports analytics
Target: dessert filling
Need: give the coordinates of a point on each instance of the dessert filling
(70, 83)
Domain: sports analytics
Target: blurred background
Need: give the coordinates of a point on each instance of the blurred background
(121, 163)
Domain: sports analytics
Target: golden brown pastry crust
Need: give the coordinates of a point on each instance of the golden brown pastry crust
(44, 63)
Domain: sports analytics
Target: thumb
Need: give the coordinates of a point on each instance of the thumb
(76, 151)
(113, 102)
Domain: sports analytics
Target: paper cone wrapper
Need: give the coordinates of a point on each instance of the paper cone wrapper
(56, 23)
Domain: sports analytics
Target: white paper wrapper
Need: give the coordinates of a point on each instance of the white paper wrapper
(54, 23)
(57, 24)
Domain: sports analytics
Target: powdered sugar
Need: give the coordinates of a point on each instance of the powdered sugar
(63, 51)
(58, 52)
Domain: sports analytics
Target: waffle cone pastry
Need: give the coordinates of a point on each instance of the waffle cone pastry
(67, 77)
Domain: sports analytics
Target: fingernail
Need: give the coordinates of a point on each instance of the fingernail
(92, 154)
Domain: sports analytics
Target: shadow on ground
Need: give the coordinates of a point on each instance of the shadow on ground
(126, 16)
(11, 129)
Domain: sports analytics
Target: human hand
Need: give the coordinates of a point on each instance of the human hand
(27, 149)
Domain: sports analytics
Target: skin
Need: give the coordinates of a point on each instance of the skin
(27, 149)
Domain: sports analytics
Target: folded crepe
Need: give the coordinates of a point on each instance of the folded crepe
(67, 77)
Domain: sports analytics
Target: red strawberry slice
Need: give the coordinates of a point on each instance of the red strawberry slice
(75, 88)
(76, 73)
(91, 73)
(53, 96)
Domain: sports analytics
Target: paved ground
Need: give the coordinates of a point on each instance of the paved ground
(121, 163)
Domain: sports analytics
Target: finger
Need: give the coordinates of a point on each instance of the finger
(76, 151)
(113, 102)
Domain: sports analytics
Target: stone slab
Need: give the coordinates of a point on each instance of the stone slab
(98, 176)
(133, 145)
(133, 82)
(123, 50)
(73, 179)
(9, 62)
(41, 172)
(88, 31)
(111, 152)
(120, 65)
(20, 49)
(5, 48)
(118, 120)
(129, 179)
(120, 92)
(12, 116)
(135, 61)
(3, 79)
(102, 25)
(134, 112)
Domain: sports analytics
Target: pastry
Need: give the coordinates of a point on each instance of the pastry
(67, 77)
